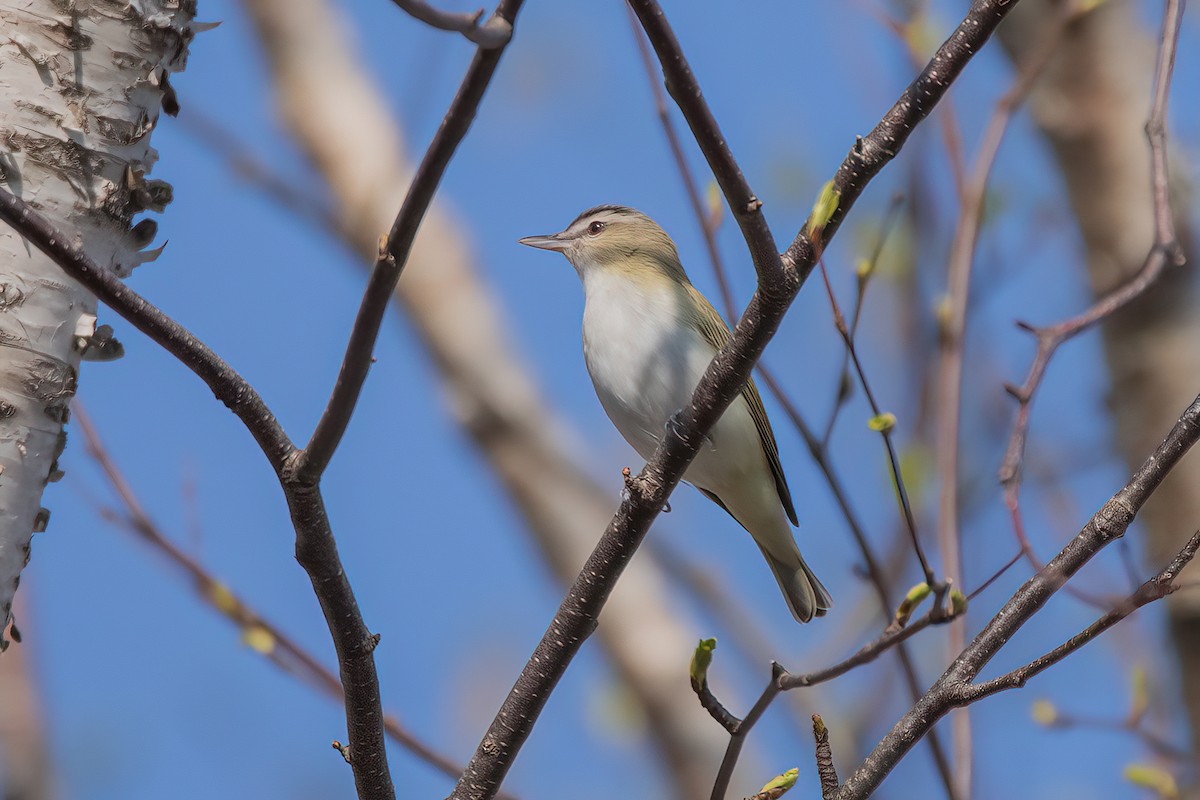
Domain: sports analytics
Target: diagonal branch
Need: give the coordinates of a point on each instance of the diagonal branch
(685, 91)
(818, 448)
(1107, 525)
(578, 615)
(229, 387)
(283, 650)
(394, 250)
(872, 152)
(1156, 588)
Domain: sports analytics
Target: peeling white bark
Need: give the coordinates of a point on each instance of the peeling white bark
(81, 86)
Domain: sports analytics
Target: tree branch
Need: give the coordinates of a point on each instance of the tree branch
(282, 650)
(299, 471)
(495, 33)
(1156, 588)
(578, 615)
(1106, 526)
(228, 386)
(872, 152)
(826, 769)
(394, 251)
(685, 91)
(737, 737)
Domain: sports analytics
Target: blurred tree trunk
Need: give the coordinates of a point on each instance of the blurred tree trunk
(25, 771)
(1092, 106)
(340, 121)
(81, 90)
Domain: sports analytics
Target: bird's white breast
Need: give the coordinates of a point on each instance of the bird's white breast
(643, 359)
(646, 357)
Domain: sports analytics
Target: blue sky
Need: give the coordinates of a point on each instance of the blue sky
(149, 694)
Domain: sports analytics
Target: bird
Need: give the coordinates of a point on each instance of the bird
(648, 337)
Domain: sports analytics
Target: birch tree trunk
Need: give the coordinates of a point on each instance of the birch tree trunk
(81, 86)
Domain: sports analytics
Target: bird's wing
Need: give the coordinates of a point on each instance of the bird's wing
(714, 330)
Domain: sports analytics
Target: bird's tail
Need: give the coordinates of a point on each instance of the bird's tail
(806, 596)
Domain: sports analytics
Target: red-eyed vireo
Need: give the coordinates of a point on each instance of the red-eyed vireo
(648, 336)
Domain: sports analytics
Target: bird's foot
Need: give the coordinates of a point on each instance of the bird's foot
(674, 425)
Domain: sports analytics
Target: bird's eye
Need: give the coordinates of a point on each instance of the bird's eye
(595, 227)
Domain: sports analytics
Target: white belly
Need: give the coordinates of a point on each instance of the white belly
(645, 365)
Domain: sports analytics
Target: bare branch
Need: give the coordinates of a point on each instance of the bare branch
(228, 386)
(394, 251)
(283, 650)
(1165, 252)
(738, 736)
(871, 153)
(1156, 588)
(868, 652)
(685, 91)
(316, 549)
(495, 33)
(884, 426)
(824, 756)
(1106, 526)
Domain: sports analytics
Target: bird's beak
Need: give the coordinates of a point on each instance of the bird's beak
(555, 241)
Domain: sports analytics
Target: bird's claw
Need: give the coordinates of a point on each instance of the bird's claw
(674, 425)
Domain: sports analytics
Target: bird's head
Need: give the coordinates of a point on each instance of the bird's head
(615, 238)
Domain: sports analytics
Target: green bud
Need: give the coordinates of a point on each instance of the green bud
(958, 602)
(916, 595)
(882, 423)
(824, 208)
(781, 783)
(1154, 778)
(1140, 692)
(701, 659)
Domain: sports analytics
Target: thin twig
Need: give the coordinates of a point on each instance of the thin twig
(738, 736)
(228, 386)
(495, 33)
(283, 651)
(952, 338)
(1156, 588)
(1107, 525)
(826, 770)
(885, 430)
(394, 252)
(1165, 252)
(710, 703)
(864, 272)
(868, 652)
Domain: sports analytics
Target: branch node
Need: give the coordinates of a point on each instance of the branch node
(344, 749)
